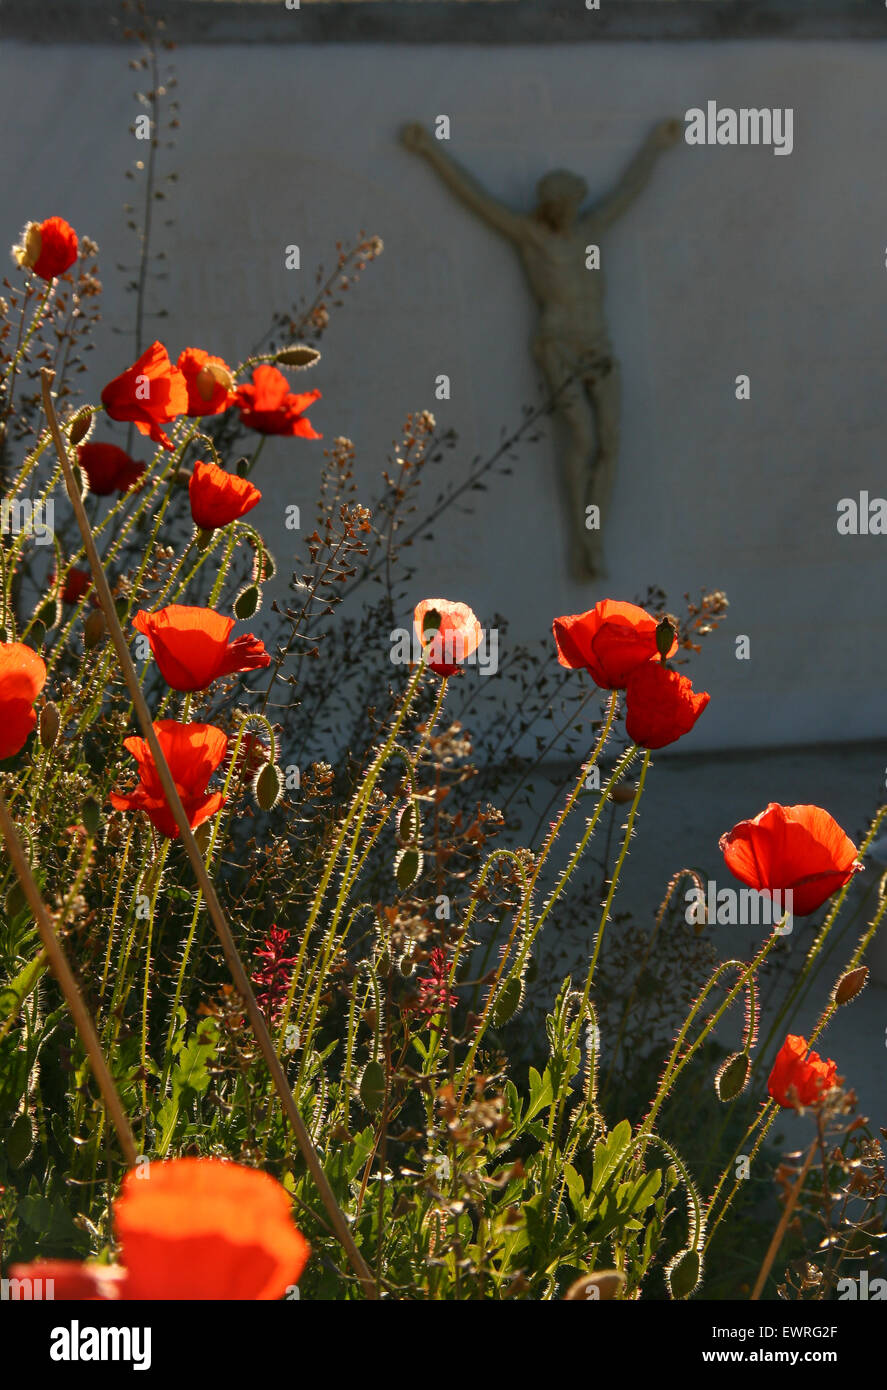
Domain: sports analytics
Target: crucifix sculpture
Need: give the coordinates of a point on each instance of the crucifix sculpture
(571, 345)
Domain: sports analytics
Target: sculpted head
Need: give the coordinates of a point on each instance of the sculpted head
(559, 196)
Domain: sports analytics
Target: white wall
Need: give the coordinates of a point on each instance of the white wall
(734, 260)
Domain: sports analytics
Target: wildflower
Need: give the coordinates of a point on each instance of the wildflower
(150, 393)
(798, 1078)
(209, 381)
(272, 980)
(791, 847)
(434, 991)
(660, 705)
(458, 635)
(218, 498)
(610, 641)
(108, 469)
(193, 753)
(48, 248)
(268, 405)
(191, 645)
(191, 1228)
(22, 677)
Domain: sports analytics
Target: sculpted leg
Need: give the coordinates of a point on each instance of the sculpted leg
(605, 392)
(575, 410)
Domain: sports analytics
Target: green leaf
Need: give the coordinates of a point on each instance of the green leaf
(610, 1155)
(541, 1093)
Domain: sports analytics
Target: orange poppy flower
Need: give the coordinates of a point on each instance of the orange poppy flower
(22, 677)
(800, 1077)
(193, 752)
(191, 646)
(458, 636)
(791, 847)
(48, 248)
(660, 705)
(218, 498)
(209, 381)
(192, 1228)
(108, 469)
(268, 405)
(150, 393)
(609, 641)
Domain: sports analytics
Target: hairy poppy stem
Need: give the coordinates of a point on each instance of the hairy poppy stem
(58, 962)
(223, 931)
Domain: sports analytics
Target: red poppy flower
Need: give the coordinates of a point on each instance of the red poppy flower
(191, 646)
(150, 393)
(454, 641)
(193, 752)
(77, 583)
(798, 1078)
(218, 498)
(609, 641)
(791, 847)
(660, 705)
(48, 248)
(22, 677)
(209, 381)
(108, 469)
(268, 405)
(192, 1228)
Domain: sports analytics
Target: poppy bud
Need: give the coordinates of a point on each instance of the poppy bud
(732, 1076)
(298, 355)
(93, 629)
(269, 786)
(247, 602)
(92, 816)
(665, 637)
(850, 985)
(49, 724)
(80, 427)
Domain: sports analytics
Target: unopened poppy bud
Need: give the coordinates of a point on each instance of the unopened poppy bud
(80, 427)
(665, 635)
(92, 816)
(49, 724)
(269, 786)
(212, 376)
(93, 630)
(298, 355)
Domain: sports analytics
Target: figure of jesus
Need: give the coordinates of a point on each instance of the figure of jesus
(571, 344)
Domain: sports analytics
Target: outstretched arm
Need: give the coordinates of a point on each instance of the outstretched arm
(466, 188)
(637, 175)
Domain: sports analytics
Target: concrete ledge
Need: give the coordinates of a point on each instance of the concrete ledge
(450, 21)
